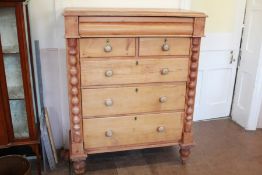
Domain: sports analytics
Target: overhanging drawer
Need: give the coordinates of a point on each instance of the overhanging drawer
(134, 26)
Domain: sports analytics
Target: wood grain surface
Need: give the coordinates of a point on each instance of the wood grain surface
(126, 100)
(94, 47)
(128, 71)
(128, 130)
(153, 46)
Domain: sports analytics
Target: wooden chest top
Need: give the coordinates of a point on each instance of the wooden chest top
(142, 12)
(92, 22)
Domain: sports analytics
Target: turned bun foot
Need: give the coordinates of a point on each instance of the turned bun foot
(79, 166)
(184, 154)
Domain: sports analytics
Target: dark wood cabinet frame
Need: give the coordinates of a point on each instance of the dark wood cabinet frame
(7, 138)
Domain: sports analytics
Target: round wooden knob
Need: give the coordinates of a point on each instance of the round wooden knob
(108, 102)
(165, 47)
(108, 48)
(165, 71)
(162, 99)
(109, 73)
(161, 129)
(109, 133)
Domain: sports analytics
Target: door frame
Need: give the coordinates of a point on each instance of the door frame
(256, 99)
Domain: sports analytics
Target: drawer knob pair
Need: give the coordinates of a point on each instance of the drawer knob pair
(109, 102)
(108, 47)
(164, 71)
(109, 73)
(109, 133)
(163, 99)
(160, 129)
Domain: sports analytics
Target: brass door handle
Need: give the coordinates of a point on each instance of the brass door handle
(232, 59)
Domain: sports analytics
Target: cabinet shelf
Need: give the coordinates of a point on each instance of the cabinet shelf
(10, 52)
(16, 98)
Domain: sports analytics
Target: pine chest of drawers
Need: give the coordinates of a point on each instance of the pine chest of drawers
(131, 79)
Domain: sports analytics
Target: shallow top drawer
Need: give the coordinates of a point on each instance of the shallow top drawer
(134, 26)
(164, 46)
(107, 47)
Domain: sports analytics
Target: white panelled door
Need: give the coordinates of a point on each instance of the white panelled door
(217, 71)
(248, 93)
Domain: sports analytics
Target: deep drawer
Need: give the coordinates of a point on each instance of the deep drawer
(103, 133)
(125, 71)
(126, 100)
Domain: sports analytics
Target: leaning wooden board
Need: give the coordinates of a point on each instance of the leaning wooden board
(131, 79)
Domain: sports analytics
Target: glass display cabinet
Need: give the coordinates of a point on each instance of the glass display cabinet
(18, 124)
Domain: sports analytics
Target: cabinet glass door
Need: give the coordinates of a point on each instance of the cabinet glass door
(13, 72)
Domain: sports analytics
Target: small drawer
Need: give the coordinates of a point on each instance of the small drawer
(127, 100)
(128, 71)
(107, 47)
(103, 133)
(164, 46)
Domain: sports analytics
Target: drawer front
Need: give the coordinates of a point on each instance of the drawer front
(107, 47)
(106, 72)
(126, 100)
(164, 46)
(130, 130)
(134, 26)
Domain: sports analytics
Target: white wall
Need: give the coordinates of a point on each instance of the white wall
(47, 26)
